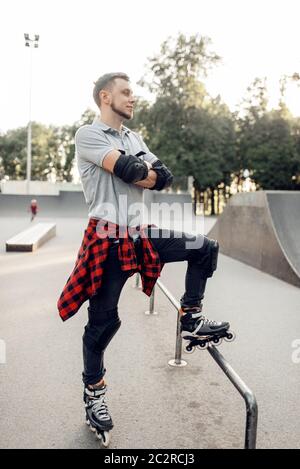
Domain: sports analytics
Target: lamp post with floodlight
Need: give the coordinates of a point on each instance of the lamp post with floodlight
(31, 43)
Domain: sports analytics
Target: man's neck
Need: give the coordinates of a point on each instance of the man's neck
(114, 122)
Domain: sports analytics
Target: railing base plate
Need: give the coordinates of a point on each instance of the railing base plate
(175, 363)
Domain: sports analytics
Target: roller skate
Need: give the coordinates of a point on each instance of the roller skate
(200, 331)
(97, 416)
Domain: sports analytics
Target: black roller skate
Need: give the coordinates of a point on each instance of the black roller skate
(97, 416)
(200, 331)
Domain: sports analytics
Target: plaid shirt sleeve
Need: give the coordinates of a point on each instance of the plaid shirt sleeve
(86, 277)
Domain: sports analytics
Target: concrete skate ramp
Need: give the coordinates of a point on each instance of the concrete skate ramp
(262, 229)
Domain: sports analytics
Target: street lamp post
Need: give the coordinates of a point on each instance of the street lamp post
(30, 43)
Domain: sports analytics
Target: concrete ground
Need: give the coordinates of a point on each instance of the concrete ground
(152, 404)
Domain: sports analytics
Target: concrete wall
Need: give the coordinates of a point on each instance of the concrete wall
(66, 204)
(37, 187)
(70, 204)
(51, 188)
(159, 197)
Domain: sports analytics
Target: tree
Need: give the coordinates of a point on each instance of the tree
(63, 141)
(193, 133)
(265, 143)
(176, 72)
(13, 151)
(272, 155)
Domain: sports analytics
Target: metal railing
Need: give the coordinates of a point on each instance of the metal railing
(243, 389)
(246, 393)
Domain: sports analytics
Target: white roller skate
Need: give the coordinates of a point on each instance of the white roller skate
(97, 415)
(200, 331)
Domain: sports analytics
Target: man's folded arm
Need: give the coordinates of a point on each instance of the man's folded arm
(110, 159)
(130, 168)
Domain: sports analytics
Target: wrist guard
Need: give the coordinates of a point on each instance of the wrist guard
(164, 176)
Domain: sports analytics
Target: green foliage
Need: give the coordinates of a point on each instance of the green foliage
(175, 72)
(52, 150)
(268, 142)
(193, 133)
(271, 152)
(13, 152)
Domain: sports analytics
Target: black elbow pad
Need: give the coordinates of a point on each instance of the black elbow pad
(164, 176)
(130, 168)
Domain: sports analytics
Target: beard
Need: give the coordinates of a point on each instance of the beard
(120, 113)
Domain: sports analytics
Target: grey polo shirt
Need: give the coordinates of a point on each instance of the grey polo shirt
(106, 195)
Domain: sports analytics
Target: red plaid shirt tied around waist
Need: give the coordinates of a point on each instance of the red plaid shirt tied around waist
(86, 278)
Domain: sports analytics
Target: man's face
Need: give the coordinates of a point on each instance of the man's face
(122, 99)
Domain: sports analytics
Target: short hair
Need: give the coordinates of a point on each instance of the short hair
(105, 82)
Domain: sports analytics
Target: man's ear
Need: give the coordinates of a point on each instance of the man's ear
(104, 96)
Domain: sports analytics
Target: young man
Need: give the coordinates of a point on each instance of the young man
(116, 166)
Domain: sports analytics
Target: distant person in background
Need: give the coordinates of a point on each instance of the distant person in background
(33, 209)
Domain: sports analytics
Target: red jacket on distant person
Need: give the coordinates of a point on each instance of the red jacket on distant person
(34, 207)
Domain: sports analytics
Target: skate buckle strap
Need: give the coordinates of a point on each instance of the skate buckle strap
(197, 315)
(94, 392)
(201, 322)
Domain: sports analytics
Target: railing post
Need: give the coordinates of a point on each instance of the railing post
(177, 361)
(137, 281)
(178, 347)
(151, 306)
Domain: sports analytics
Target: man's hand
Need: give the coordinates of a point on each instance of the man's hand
(148, 164)
(150, 181)
(164, 176)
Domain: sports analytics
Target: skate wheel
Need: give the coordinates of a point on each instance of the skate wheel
(217, 340)
(230, 336)
(90, 425)
(104, 438)
(189, 349)
(93, 429)
(202, 346)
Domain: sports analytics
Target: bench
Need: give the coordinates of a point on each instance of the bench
(31, 238)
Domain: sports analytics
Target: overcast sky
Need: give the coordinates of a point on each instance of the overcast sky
(81, 40)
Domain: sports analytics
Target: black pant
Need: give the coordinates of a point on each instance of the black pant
(172, 246)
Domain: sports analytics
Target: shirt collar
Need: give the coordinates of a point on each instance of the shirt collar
(106, 128)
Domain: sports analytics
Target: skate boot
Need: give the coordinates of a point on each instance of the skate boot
(97, 416)
(200, 331)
